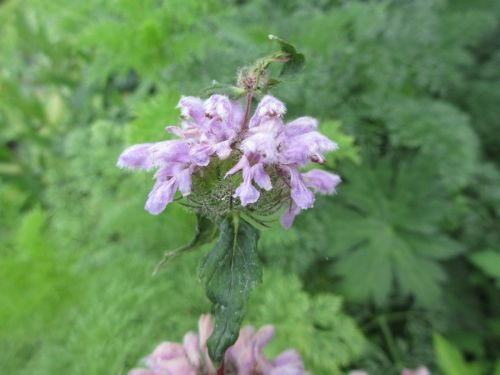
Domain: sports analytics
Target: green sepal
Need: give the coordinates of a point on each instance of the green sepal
(229, 273)
(206, 232)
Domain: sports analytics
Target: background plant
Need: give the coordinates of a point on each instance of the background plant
(411, 88)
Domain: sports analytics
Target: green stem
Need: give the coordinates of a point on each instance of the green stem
(389, 339)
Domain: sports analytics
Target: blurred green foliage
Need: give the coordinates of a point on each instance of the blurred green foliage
(408, 247)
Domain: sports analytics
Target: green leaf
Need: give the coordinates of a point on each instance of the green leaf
(489, 262)
(206, 231)
(151, 117)
(497, 368)
(295, 60)
(382, 236)
(449, 358)
(229, 272)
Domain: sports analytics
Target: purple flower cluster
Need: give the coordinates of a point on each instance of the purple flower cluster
(245, 357)
(266, 152)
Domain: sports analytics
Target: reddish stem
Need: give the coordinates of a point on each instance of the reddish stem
(247, 110)
(220, 371)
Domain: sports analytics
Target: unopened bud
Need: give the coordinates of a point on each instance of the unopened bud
(247, 79)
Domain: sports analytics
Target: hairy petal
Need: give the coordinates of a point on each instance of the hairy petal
(136, 157)
(161, 195)
(301, 195)
(247, 193)
(223, 149)
(419, 371)
(218, 106)
(303, 148)
(264, 140)
(321, 181)
(165, 351)
(184, 181)
(171, 151)
(261, 177)
(192, 348)
(192, 107)
(268, 108)
(289, 215)
(241, 164)
(301, 126)
(263, 336)
(141, 371)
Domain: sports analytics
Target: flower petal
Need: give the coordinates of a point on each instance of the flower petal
(301, 195)
(321, 181)
(171, 151)
(141, 371)
(192, 348)
(164, 351)
(306, 147)
(192, 107)
(269, 107)
(161, 195)
(223, 149)
(241, 164)
(261, 177)
(301, 126)
(247, 193)
(184, 181)
(289, 215)
(136, 157)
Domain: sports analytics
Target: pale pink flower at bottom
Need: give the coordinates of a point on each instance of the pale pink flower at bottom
(422, 370)
(419, 371)
(245, 357)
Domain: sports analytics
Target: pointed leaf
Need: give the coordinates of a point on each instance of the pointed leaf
(229, 272)
(295, 60)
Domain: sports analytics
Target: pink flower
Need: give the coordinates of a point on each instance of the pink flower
(285, 147)
(419, 371)
(245, 357)
(213, 129)
(251, 173)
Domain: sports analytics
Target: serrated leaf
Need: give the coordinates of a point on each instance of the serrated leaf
(229, 273)
(441, 133)
(381, 235)
(206, 232)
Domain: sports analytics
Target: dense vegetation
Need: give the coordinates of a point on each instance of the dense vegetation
(400, 269)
